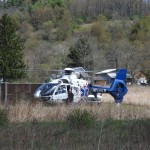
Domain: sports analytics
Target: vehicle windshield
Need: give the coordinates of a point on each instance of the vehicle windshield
(48, 88)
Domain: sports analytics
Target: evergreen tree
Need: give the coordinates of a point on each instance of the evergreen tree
(11, 50)
(80, 54)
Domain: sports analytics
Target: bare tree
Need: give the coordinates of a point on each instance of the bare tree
(128, 55)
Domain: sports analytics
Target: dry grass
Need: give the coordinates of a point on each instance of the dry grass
(137, 95)
(136, 105)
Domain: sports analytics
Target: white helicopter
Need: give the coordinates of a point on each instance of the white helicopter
(56, 90)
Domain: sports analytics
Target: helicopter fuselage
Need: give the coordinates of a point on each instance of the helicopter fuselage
(57, 90)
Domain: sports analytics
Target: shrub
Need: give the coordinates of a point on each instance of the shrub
(80, 119)
(3, 117)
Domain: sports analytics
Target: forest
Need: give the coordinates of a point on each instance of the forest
(90, 34)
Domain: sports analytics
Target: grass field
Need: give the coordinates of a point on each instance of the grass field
(34, 125)
(136, 105)
(102, 135)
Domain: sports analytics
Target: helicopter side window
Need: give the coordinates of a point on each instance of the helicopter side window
(56, 93)
(60, 90)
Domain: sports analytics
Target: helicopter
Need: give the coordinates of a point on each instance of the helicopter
(56, 90)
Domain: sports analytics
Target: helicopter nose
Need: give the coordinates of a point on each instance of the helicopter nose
(37, 94)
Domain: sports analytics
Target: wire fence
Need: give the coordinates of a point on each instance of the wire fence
(10, 93)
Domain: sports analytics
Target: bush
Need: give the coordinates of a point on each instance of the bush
(80, 119)
(3, 117)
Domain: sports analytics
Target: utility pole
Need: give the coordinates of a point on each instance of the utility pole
(116, 62)
(114, 58)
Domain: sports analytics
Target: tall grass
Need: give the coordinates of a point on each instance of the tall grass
(103, 135)
(137, 95)
(24, 111)
(136, 105)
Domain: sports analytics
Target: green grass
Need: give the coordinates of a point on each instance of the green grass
(57, 135)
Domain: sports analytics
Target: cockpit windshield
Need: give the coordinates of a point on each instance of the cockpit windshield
(48, 88)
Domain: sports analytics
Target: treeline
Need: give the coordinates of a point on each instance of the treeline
(110, 8)
(90, 9)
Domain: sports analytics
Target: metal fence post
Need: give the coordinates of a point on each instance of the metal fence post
(6, 86)
(0, 93)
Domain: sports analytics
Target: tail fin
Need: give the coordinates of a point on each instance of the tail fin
(118, 87)
(121, 74)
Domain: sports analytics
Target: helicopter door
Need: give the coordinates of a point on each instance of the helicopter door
(60, 94)
(76, 93)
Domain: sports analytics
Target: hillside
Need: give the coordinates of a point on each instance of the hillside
(107, 29)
